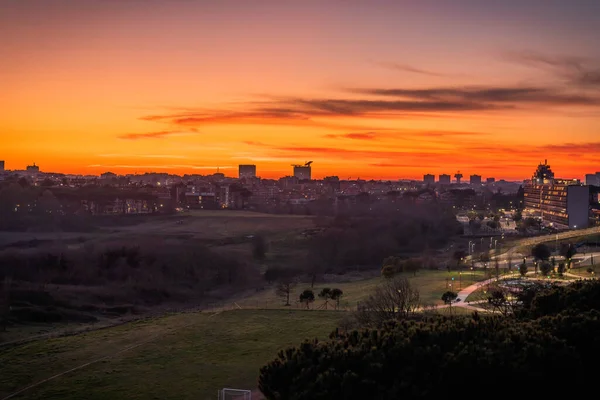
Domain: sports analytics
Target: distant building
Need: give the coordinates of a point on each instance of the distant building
(490, 180)
(428, 179)
(332, 182)
(247, 171)
(302, 172)
(458, 176)
(444, 179)
(475, 180)
(33, 169)
(108, 175)
(592, 179)
(1, 165)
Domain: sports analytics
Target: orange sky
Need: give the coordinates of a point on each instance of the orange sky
(381, 89)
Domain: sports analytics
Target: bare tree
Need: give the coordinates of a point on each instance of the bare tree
(393, 299)
(284, 289)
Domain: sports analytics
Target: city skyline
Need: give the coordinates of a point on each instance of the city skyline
(391, 91)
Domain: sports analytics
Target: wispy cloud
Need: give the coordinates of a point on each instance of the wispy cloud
(121, 155)
(578, 148)
(402, 134)
(155, 135)
(164, 166)
(410, 68)
(356, 136)
(397, 165)
(575, 70)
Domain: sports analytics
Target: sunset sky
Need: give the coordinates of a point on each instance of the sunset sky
(370, 89)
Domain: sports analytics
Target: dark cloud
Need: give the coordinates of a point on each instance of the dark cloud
(380, 103)
(342, 107)
(575, 70)
(394, 165)
(409, 68)
(486, 95)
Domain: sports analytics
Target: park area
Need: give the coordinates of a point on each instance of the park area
(182, 356)
(430, 283)
(193, 354)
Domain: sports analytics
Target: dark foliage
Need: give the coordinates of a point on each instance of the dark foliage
(144, 275)
(307, 297)
(367, 239)
(449, 297)
(546, 268)
(541, 252)
(408, 359)
(567, 250)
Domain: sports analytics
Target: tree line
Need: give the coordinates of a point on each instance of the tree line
(554, 333)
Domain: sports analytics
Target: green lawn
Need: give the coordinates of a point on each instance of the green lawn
(431, 285)
(583, 271)
(187, 356)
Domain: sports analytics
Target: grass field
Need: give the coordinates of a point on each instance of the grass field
(186, 356)
(196, 224)
(431, 285)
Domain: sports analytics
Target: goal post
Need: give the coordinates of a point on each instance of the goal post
(234, 394)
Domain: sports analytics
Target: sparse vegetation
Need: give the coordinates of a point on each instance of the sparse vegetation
(226, 350)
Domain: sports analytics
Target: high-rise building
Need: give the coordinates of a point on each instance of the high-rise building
(475, 180)
(543, 173)
(429, 179)
(592, 179)
(563, 202)
(490, 180)
(1, 165)
(247, 171)
(303, 172)
(444, 179)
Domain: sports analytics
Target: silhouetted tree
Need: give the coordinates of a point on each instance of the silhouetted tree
(388, 271)
(336, 295)
(541, 252)
(561, 269)
(325, 294)
(545, 268)
(307, 297)
(523, 269)
(517, 216)
(449, 297)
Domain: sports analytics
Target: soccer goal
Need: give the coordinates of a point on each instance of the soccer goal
(234, 394)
